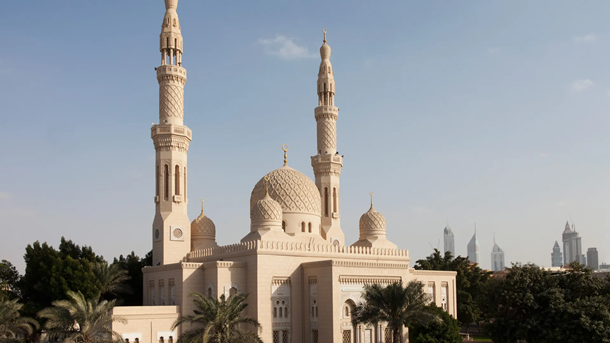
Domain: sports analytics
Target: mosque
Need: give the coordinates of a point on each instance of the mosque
(302, 277)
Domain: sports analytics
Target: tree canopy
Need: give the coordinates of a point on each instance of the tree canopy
(536, 305)
(51, 273)
(9, 280)
(470, 280)
(447, 330)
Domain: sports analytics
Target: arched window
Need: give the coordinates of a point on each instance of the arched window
(232, 291)
(166, 174)
(137, 340)
(325, 201)
(157, 181)
(286, 312)
(161, 339)
(281, 312)
(126, 340)
(184, 183)
(334, 199)
(309, 227)
(302, 226)
(209, 292)
(346, 311)
(170, 339)
(274, 312)
(177, 177)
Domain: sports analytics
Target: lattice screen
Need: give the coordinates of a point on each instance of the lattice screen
(314, 336)
(276, 337)
(347, 336)
(387, 332)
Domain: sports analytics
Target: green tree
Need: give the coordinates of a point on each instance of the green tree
(9, 280)
(445, 331)
(12, 324)
(133, 265)
(51, 273)
(78, 320)
(470, 280)
(537, 305)
(218, 321)
(112, 278)
(394, 304)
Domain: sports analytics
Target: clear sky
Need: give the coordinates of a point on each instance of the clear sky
(494, 112)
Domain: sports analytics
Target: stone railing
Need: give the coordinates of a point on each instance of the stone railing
(296, 247)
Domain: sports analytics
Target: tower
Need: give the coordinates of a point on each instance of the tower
(327, 163)
(171, 226)
(473, 248)
(572, 245)
(449, 240)
(592, 258)
(497, 258)
(556, 258)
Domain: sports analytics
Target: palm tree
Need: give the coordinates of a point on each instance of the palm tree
(218, 321)
(111, 277)
(80, 320)
(394, 305)
(12, 324)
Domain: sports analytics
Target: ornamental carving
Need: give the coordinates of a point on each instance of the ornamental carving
(294, 191)
(372, 223)
(171, 101)
(266, 209)
(327, 135)
(174, 143)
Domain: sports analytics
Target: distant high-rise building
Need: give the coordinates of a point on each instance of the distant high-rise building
(572, 245)
(449, 240)
(592, 261)
(473, 248)
(497, 258)
(556, 260)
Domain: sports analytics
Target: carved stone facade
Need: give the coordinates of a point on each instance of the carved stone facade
(302, 279)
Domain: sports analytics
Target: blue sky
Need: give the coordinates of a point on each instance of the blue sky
(469, 111)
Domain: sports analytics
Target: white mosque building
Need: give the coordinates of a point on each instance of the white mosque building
(302, 277)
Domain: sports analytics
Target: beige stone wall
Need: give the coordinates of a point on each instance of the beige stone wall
(146, 323)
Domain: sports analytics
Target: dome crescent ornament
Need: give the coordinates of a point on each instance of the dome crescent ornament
(324, 30)
(371, 193)
(285, 148)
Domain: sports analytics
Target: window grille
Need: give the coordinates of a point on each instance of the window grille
(388, 335)
(276, 337)
(285, 336)
(314, 336)
(347, 336)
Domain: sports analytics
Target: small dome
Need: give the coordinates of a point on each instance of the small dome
(372, 223)
(294, 191)
(203, 226)
(266, 209)
(325, 51)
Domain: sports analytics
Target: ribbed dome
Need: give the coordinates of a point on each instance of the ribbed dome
(294, 191)
(372, 223)
(203, 226)
(266, 209)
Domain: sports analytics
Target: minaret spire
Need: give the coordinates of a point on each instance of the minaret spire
(327, 163)
(171, 226)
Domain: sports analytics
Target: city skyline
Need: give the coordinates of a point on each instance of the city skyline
(425, 90)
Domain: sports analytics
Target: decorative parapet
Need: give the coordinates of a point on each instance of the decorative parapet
(368, 279)
(295, 247)
(432, 272)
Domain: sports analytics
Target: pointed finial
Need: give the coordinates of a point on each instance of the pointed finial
(202, 200)
(324, 30)
(371, 193)
(285, 148)
(267, 185)
(475, 228)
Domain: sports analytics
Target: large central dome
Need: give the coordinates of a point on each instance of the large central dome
(294, 191)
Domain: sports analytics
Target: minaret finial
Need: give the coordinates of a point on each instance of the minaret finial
(324, 30)
(371, 193)
(202, 200)
(285, 148)
(267, 185)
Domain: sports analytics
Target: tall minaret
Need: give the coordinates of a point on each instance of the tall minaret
(327, 163)
(171, 226)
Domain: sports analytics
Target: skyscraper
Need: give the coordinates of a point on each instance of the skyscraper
(497, 258)
(473, 248)
(572, 245)
(449, 240)
(556, 260)
(592, 259)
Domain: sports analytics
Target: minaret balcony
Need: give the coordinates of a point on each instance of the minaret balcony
(326, 159)
(326, 110)
(169, 129)
(169, 69)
